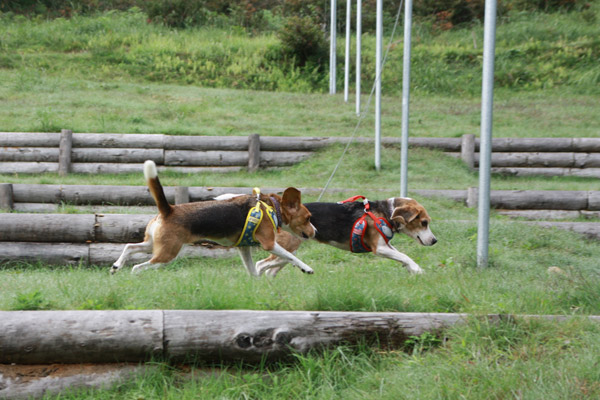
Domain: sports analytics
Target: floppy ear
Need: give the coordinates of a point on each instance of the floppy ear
(405, 214)
(291, 199)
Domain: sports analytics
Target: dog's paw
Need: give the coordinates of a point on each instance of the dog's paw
(114, 269)
(308, 271)
(415, 269)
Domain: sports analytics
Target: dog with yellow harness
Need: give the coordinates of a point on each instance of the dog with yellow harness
(242, 221)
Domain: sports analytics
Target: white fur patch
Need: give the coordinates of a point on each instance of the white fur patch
(227, 196)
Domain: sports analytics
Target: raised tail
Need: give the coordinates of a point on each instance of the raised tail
(156, 189)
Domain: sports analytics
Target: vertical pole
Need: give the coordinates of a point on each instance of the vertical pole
(64, 152)
(379, 35)
(182, 195)
(485, 147)
(347, 53)
(358, 46)
(6, 196)
(253, 152)
(405, 97)
(467, 150)
(332, 47)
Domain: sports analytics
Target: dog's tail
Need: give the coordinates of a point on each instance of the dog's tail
(156, 189)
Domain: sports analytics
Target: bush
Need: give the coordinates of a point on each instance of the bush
(303, 40)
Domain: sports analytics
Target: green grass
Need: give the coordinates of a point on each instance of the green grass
(114, 73)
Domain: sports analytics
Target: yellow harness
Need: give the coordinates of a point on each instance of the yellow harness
(255, 216)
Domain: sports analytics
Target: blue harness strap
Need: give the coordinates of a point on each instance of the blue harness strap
(357, 244)
(255, 216)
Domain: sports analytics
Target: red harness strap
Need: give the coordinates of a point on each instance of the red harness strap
(357, 244)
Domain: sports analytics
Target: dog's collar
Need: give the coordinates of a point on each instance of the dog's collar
(277, 208)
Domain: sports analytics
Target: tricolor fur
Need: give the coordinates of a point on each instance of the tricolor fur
(334, 223)
(218, 221)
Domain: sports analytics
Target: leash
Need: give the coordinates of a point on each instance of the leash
(363, 113)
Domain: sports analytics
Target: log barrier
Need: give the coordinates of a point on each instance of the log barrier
(42, 337)
(26, 197)
(117, 153)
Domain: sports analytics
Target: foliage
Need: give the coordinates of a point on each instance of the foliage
(303, 40)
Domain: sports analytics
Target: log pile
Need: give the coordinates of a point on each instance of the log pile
(537, 157)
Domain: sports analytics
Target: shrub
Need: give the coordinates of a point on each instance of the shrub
(304, 41)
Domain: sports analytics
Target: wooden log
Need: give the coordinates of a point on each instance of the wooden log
(539, 199)
(39, 337)
(64, 152)
(182, 195)
(92, 253)
(50, 208)
(30, 193)
(75, 228)
(472, 197)
(253, 152)
(6, 196)
(580, 172)
(206, 158)
(282, 158)
(119, 140)
(29, 139)
(541, 214)
(456, 195)
(35, 337)
(29, 154)
(49, 253)
(594, 201)
(545, 160)
(206, 143)
(108, 253)
(121, 228)
(27, 167)
(130, 155)
(38, 381)
(295, 143)
(107, 194)
(467, 150)
(588, 229)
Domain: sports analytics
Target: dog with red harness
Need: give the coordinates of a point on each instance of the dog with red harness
(361, 227)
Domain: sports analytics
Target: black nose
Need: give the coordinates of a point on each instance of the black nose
(434, 241)
(304, 235)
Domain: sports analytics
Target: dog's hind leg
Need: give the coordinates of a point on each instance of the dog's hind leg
(289, 257)
(246, 256)
(271, 265)
(131, 248)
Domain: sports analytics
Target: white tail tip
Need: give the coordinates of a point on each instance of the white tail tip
(150, 170)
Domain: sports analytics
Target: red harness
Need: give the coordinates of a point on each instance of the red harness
(357, 244)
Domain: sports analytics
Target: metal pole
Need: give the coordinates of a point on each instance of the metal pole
(379, 35)
(358, 45)
(405, 98)
(485, 147)
(347, 53)
(332, 47)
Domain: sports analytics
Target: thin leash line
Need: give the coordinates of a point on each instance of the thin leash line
(363, 113)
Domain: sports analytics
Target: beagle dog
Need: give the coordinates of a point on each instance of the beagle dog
(362, 227)
(242, 221)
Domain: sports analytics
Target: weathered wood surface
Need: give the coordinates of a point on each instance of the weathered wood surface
(64, 152)
(588, 229)
(253, 152)
(544, 160)
(6, 196)
(549, 214)
(37, 381)
(580, 172)
(92, 253)
(35, 337)
(39, 337)
(75, 228)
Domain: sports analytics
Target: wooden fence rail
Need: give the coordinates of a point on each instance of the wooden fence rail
(38, 337)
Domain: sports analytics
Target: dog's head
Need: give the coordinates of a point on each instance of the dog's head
(296, 217)
(411, 218)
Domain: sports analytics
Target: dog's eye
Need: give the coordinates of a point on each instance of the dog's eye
(425, 223)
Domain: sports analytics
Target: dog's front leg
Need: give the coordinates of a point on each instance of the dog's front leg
(271, 265)
(289, 257)
(388, 251)
(246, 256)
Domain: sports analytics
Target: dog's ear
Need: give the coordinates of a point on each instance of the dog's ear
(291, 199)
(404, 214)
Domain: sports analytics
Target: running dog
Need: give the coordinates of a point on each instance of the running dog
(361, 228)
(243, 221)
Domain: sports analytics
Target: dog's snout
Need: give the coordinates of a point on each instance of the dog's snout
(433, 241)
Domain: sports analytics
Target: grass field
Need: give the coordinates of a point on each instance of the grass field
(519, 359)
